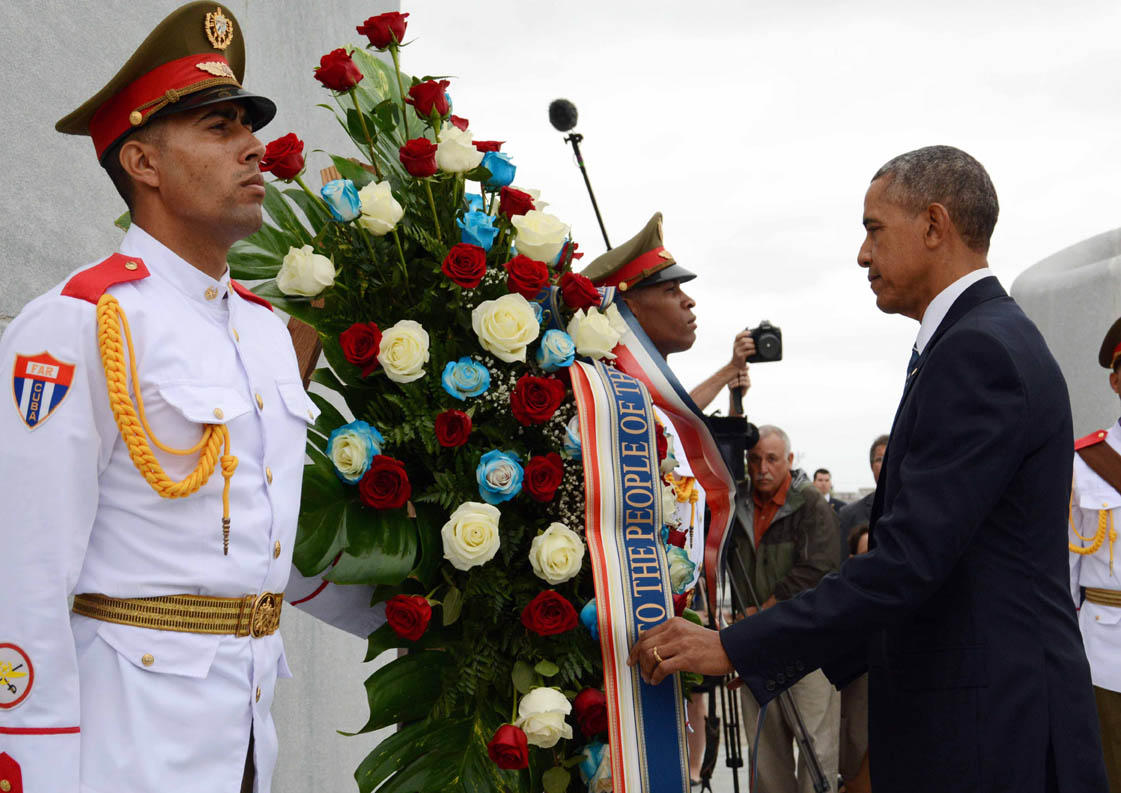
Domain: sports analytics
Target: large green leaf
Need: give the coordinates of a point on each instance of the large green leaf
(447, 756)
(404, 689)
(381, 547)
(322, 524)
(352, 170)
(281, 213)
(429, 520)
(312, 209)
(298, 307)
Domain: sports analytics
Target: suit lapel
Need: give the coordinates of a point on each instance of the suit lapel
(981, 292)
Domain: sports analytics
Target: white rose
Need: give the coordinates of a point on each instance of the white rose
(505, 326)
(471, 535)
(404, 351)
(380, 210)
(304, 272)
(541, 716)
(681, 569)
(556, 554)
(593, 334)
(669, 506)
(540, 235)
(456, 153)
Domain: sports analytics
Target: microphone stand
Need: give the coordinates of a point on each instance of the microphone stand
(574, 138)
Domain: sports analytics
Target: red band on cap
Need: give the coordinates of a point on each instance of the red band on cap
(180, 76)
(632, 270)
(1116, 352)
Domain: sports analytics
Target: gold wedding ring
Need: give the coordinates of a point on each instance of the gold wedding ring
(658, 657)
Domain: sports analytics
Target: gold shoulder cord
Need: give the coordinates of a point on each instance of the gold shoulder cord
(135, 429)
(1105, 528)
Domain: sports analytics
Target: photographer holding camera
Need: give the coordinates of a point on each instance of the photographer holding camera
(732, 374)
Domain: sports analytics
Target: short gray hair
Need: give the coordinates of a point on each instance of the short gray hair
(950, 177)
(768, 430)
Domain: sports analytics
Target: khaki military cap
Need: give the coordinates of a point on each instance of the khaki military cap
(194, 57)
(640, 261)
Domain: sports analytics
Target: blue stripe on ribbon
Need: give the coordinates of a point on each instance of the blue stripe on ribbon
(648, 601)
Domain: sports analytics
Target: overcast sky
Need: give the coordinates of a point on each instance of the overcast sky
(755, 127)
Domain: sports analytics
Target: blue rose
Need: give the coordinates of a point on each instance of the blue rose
(478, 229)
(682, 569)
(556, 351)
(589, 617)
(474, 202)
(342, 199)
(499, 475)
(572, 438)
(501, 169)
(465, 378)
(593, 756)
(537, 310)
(351, 447)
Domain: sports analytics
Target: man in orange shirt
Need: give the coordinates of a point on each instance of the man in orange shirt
(790, 546)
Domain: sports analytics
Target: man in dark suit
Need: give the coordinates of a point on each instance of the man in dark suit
(961, 612)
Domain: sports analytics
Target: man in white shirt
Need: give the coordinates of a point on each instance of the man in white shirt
(153, 457)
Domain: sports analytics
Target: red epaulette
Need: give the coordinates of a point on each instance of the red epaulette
(252, 297)
(10, 773)
(91, 283)
(1092, 439)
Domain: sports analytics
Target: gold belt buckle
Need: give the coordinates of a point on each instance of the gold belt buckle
(265, 616)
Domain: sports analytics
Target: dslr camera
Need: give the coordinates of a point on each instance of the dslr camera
(768, 343)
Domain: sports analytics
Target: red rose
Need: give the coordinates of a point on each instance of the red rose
(465, 264)
(361, 343)
(460, 123)
(549, 614)
(385, 485)
(428, 96)
(679, 603)
(408, 615)
(419, 157)
(509, 748)
(488, 145)
(677, 538)
(284, 157)
(578, 291)
(543, 476)
(384, 29)
(452, 428)
(514, 202)
(663, 444)
(534, 399)
(337, 71)
(590, 710)
(526, 276)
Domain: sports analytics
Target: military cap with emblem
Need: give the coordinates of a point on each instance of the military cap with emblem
(640, 261)
(1111, 346)
(194, 57)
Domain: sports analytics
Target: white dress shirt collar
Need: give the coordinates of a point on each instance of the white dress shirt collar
(165, 263)
(940, 305)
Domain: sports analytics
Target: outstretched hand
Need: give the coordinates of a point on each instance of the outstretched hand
(679, 645)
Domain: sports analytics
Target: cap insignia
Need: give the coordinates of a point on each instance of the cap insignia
(217, 68)
(219, 29)
(666, 255)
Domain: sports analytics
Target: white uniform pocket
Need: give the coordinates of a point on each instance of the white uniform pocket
(163, 652)
(297, 401)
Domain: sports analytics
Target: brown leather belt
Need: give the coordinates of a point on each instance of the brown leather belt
(251, 615)
(1104, 597)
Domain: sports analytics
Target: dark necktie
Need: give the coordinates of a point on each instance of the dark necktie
(914, 360)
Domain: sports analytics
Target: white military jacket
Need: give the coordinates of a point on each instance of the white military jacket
(1101, 625)
(109, 708)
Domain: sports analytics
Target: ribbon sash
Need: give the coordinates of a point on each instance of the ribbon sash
(637, 356)
(623, 522)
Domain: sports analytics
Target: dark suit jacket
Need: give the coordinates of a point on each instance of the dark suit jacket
(961, 612)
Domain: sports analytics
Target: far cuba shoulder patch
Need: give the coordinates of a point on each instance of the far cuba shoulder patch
(16, 676)
(39, 384)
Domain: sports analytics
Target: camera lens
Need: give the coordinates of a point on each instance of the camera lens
(768, 345)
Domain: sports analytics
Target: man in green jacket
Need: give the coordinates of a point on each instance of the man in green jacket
(785, 541)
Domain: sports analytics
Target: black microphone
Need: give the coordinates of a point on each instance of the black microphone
(562, 114)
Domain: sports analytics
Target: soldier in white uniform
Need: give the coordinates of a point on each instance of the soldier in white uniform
(162, 677)
(1095, 561)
